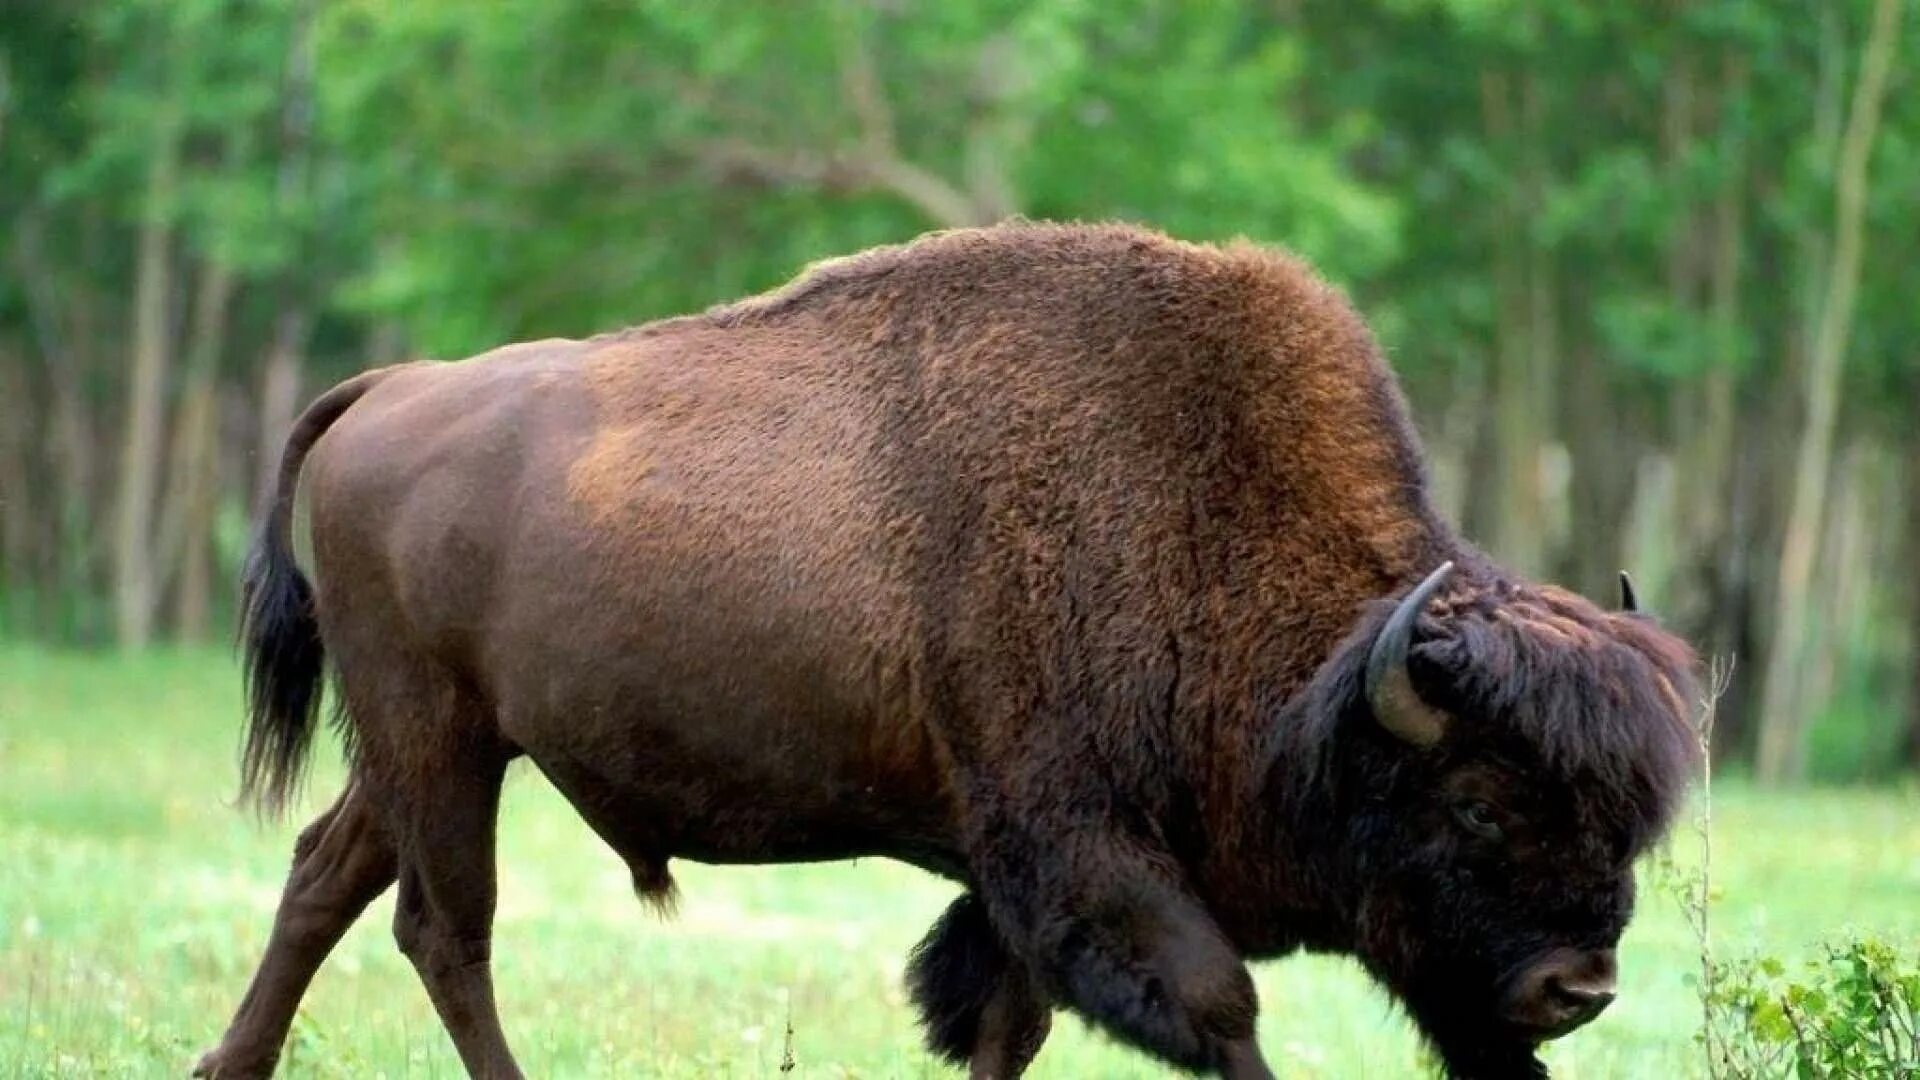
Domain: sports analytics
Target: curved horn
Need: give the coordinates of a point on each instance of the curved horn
(1629, 603)
(1390, 689)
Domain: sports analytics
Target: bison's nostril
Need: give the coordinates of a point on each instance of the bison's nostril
(1581, 999)
(1561, 992)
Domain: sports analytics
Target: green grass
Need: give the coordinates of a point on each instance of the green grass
(134, 899)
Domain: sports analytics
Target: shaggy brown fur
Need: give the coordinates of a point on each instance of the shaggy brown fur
(1043, 557)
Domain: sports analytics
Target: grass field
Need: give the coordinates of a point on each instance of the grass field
(134, 899)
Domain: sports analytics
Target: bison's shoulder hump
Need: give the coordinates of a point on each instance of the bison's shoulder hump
(972, 258)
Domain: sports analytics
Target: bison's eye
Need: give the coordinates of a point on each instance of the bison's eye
(1479, 819)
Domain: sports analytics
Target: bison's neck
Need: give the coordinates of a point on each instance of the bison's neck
(1274, 859)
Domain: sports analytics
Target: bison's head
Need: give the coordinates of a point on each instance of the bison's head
(1505, 752)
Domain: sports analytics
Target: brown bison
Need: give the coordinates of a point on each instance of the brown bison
(1090, 569)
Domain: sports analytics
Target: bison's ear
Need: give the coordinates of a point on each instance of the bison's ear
(1390, 693)
(1628, 602)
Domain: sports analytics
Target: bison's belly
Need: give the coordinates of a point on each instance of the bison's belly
(658, 802)
(692, 707)
(746, 776)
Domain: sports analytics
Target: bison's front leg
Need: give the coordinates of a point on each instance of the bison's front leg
(978, 1002)
(1114, 935)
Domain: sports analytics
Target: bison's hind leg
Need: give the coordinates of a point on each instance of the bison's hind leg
(428, 747)
(978, 1002)
(443, 825)
(340, 863)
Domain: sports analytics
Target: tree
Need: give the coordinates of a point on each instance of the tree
(134, 571)
(1627, 259)
(1783, 708)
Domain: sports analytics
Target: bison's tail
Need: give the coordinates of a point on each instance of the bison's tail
(278, 630)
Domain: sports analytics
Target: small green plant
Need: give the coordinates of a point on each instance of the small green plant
(1853, 1011)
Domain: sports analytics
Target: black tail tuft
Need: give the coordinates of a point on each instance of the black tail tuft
(284, 661)
(278, 630)
(951, 975)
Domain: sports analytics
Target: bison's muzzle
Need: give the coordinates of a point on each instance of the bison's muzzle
(1561, 991)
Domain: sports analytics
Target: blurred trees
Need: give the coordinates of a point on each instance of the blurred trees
(1783, 708)
(1644, 267)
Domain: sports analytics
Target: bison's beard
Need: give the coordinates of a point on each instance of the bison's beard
(1453, 995)
(1467, 1034)
(1501, 1060)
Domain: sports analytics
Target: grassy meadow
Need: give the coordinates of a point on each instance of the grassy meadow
(134, 899)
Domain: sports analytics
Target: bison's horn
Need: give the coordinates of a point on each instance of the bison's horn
(1389, 685)
(1628, 602)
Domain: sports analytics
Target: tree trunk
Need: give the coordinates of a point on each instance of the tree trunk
(19, 511)
(1453, 448)
(1911, 463)
(187, 521)
(67, 512)
(1832, 599)
(1740, 603)
(1481, 499)
(1601, 487)
(1709, 603)
(74, 448)
(1783, 710)
(1541, 361)
(6, 95)
(1517, 506)
(279, 398)
(281, 378)
(133, 562)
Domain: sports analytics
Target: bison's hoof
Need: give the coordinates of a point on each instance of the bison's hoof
(220, 1063)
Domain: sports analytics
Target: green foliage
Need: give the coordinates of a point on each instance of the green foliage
(579, 166)
(1854, 1011)
(1582, 231)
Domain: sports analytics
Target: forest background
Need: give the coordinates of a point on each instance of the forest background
(1646, 269)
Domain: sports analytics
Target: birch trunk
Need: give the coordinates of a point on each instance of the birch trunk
(280, 383)
(1514, 508)
(1911, 464)
(188, 517)
(281, 378)
(19, 509)
(134, 574)
(1783, 710)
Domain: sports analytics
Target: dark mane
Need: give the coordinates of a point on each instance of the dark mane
(1603, 701)
(1604, 698)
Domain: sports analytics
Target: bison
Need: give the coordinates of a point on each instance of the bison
(1093, 570)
